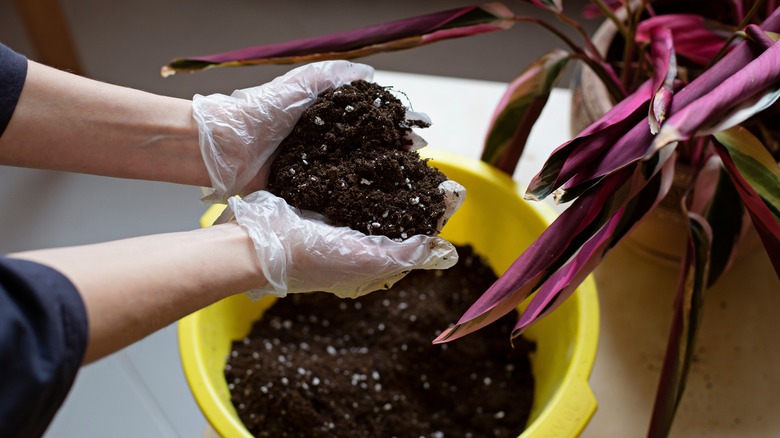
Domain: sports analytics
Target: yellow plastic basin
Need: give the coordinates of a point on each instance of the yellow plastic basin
(499, 224)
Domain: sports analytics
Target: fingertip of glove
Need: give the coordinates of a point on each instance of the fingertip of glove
(443, 255)
(454, 196)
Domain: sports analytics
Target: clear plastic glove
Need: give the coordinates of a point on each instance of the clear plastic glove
(240, 133)
(300, 252)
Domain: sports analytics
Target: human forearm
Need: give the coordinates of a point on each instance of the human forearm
(136, 286)
(67, 122)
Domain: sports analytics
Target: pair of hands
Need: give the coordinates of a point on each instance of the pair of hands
(297, 250)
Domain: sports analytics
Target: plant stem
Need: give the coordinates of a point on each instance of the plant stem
(608, 13)
(595, 63)
(630, 43)
(628, 53)
(642, 65)
(739, 11)
(576, 48)
(751, 13)
(578, 27)
(615, 91)
(733, 36)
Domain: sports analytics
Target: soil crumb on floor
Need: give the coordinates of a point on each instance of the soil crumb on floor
(318, 366)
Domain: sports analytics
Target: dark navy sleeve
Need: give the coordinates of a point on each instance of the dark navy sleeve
(13, 72)
(43, 336)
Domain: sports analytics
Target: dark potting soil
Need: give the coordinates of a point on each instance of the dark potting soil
(318, 366)
(347, 159)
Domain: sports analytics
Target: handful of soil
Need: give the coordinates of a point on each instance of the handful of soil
(347, 158)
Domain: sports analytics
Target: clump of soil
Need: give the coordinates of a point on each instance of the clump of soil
(318, 366)
(347, 159)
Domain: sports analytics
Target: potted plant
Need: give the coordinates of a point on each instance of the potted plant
(685, 93)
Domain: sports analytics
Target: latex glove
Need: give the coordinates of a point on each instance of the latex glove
(240, 133)
(300, 252)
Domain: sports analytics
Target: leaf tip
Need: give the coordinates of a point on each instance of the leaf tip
(445, 336)
(167, 71)
(528, 196)
(667, 135)
(558, 196)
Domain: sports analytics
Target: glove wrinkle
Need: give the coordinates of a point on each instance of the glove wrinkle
(300, 253)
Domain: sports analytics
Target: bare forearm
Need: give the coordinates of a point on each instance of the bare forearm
(67, 122)
(134, 287)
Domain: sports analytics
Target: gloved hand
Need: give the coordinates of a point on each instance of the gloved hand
(240, 133)
(300, 252)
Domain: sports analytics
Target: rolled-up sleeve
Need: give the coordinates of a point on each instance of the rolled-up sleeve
(43, 337)
(13, 72)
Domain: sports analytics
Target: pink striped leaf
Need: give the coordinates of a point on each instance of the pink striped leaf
(758, 36)
(727, 217)
(552, 5)
(745, 93)
(395, 35)
(634, 145)
(688, 307)
(590, 144)
(520, 108)
(664, 74)
(563, 239)
(591, 10)
(756, 178)
(694, 37)
(562, 284)
(556, 245)
(755, 164)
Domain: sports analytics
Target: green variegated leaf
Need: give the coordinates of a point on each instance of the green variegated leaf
(519, 109)
(766, 223)
(755, 163)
